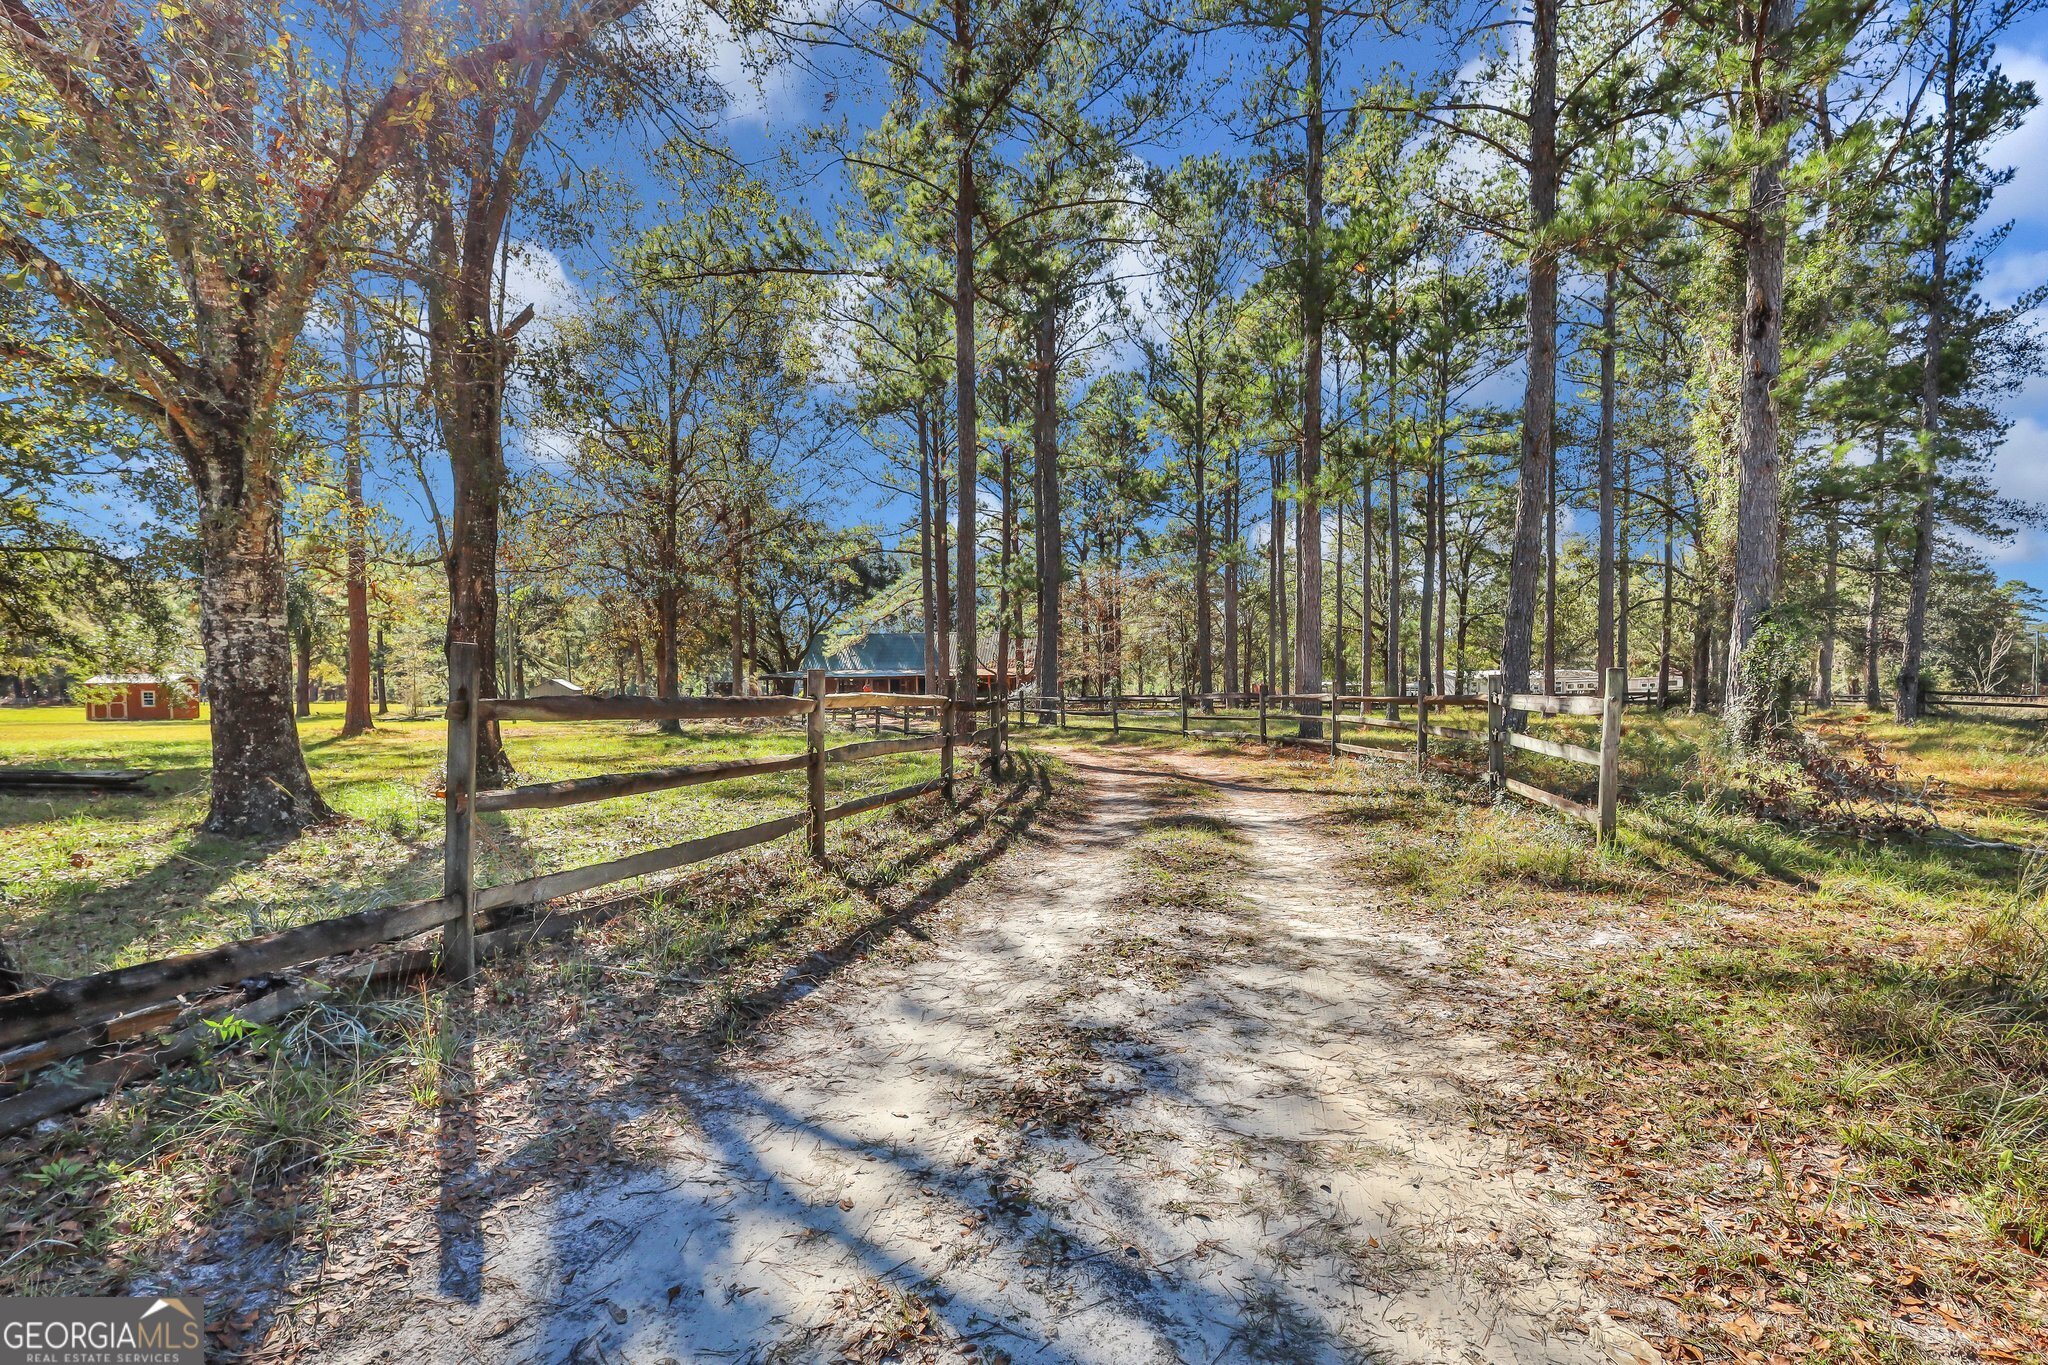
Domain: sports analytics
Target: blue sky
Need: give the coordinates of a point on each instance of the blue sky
(768, 111)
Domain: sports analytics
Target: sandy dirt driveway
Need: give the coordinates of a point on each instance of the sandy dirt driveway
(1023, 1144)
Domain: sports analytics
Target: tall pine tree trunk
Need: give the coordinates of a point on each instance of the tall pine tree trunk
(1046, 495)
(1830, 605)
(998, 683)
(942, 559)
(1749, 694)
(1205, 611)
(1308, 602)
(966, 640)
(1873, 617)
(928, 587)
(1233, 676)
(1665, 585)
(1425, 603)
(1394, 679)
(1604, 653)
(1910, 701)
(1337, 660)
(1539, 395)
(302, 644)
(1365, 635)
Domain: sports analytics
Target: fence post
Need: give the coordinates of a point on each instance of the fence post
(1421, 733)
(999, 741)
(1496, 732)
(1115, 723)
(1063, 708)
(814, 754)
(1262, 716)
(1333, 725)
(458, 874)
(946, 742)
(1183, 708)
(1611, 704)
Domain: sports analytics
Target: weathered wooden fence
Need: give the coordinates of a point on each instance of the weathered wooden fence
(1329, 715)
(1995, 700)
(1141, 713)
(65, 1018)
(1503, 736)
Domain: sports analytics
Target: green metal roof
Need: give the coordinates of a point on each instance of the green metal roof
(884, 653)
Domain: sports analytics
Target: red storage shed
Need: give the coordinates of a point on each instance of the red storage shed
(135, 696)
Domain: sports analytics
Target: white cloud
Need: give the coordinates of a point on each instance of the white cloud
(2022, 468)
(758, 90)
(2013, 273)
(762, 84)
(534, 275)
(547, 447)
(2025, 551)
(1137, 274)
(2025, 197)
(2020, 471)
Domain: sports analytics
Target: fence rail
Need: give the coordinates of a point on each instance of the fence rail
(1988, 699)
(94, 1001)
(575, 791)
(1260, 709)
(644, 708)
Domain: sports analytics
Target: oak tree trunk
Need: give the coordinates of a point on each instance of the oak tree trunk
(356, 711)
(261, 786)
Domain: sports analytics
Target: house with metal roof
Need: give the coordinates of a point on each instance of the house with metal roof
(880, 661)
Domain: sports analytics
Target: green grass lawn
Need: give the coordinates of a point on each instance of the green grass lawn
(95, 881)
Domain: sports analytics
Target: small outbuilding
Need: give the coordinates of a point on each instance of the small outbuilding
(141, 696)
(554, 687)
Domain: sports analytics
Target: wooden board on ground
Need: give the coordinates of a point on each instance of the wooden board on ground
(72, 779)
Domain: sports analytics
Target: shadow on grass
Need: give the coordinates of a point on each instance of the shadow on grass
(1683, 837)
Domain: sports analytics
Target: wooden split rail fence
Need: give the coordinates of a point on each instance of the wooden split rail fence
(1501, 735)
(1503, 706)
(1994, 700)
(64, 1018)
